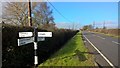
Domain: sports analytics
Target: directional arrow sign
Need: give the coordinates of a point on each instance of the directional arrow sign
(24, 41)
(44, 34)
(25, 34)
(41, 39)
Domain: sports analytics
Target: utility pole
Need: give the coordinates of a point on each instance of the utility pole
(29, 14)
(104, 25)
(94, 25)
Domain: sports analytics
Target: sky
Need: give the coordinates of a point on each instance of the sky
(61, 0)
(85, 13)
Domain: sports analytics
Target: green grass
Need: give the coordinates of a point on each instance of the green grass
(72, 54)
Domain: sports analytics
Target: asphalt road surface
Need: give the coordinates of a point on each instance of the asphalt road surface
(105, 45)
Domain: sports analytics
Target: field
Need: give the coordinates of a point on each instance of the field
(73, 53)
(109, 32)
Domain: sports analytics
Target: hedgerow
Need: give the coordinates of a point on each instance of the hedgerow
(23, 56)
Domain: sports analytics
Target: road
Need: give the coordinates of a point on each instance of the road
(105, 45)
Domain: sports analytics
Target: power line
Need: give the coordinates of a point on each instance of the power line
(59, 12)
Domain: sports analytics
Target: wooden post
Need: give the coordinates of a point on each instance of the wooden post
(29, 14)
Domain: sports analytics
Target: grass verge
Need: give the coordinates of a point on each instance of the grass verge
(73, 53)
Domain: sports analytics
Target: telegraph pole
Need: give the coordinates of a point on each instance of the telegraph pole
(29, 14)
(94, 25)
(104, 25)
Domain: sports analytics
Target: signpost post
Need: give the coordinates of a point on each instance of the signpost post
(33, 37)
(35, 47)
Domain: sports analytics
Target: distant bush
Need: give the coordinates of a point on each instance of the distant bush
(23, 56)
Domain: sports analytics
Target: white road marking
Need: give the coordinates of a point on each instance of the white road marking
(99, 52)
(100, 37)
(115, 42)
(94, 35)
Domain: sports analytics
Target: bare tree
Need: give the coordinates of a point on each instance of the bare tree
(16, 12)
(43, 14)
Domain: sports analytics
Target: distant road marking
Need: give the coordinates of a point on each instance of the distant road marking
(94, 35)
(99, 52)
(100, 37)
(115, 42)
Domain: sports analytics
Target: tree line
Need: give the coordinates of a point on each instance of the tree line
(17, 13)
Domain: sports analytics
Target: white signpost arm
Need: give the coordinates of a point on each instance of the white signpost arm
(44, 34)
(25, 34)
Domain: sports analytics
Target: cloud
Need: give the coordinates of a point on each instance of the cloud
(66, 25)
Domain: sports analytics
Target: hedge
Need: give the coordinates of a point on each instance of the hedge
(23, 56)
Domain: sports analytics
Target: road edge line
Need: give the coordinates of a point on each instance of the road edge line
(99, 52)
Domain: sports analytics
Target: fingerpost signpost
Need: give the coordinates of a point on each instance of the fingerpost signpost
(33, 37)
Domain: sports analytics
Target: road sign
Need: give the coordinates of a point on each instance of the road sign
(41, 39)
(38, 36)
(24, 41)
(25, 34)
(44, 34)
